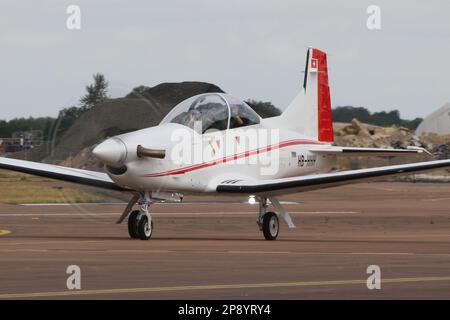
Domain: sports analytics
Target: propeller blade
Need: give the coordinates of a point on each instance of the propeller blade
(128, 208)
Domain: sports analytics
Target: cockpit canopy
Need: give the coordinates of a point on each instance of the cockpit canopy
(212, 112)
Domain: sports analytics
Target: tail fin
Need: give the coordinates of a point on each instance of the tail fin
(310, 111)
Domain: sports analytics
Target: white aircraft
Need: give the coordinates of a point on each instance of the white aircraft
(214, 143)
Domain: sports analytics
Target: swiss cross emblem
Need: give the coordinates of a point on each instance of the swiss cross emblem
(314, 63)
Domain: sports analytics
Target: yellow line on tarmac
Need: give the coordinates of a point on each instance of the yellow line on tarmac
(23, 250)
(214, 287)
(4, 232)
(258, 252)
(56, 242)
(138, 251)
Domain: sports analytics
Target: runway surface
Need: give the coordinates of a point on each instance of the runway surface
(215, 251)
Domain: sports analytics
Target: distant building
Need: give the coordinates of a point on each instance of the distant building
(15, 144)
(437, 122)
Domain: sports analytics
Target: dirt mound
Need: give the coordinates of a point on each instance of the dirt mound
(170, 94)
(357, 134)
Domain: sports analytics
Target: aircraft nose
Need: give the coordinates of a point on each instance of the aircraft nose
(111, 151)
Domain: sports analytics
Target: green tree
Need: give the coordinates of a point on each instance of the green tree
(382, 118)
(264, 109)
(140, 89)
(411, 124)
(66, 117)
(18, 126)
(96, 92)
(347, 113)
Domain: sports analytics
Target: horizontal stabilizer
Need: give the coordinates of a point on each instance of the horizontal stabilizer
(373, 152)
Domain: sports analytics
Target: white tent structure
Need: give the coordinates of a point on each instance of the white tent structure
(437, 122)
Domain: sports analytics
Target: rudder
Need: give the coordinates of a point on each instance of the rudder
(310, 112)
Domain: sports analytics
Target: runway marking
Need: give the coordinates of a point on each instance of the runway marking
(215, 287)
(209, 252)
(341, 253)
(125, 203)
(321, 253)
(139, 251)
(4, 232)
(23, 250)
(78, 214)
(64, 204)
(377, 188)
(55, 242)
(259, 252)
(435, 199)
(385, 253)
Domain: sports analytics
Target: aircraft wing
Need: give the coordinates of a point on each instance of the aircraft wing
(320, 181)
(86, 177)
(373, 152)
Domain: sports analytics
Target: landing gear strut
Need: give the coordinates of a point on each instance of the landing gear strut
(140, 224)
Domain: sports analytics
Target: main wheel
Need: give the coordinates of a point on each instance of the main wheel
(133, 224)
(144, 229)
(270, 226)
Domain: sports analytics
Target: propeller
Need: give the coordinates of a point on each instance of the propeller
(128, 208)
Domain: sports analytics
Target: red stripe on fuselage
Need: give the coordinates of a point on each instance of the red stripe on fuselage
(233, 157)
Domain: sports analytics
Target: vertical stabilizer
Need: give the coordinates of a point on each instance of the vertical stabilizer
(310, 112)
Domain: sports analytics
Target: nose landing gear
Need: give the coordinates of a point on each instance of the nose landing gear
(133, 224)
(140, 223)
(145, 228)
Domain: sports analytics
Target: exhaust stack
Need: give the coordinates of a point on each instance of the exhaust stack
(151, 153)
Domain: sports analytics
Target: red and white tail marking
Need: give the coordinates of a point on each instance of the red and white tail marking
(310, 112)
(325, 121)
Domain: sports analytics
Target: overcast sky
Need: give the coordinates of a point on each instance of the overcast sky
(251, 49)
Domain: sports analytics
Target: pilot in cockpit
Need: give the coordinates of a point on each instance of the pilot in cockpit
(192, 116)
(236, 115)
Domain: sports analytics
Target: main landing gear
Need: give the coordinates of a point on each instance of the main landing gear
(140, 223)
(268, 221)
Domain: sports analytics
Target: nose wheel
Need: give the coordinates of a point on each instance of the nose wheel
(133, 224)
(144, 228)
(138, 226)
(140, 223)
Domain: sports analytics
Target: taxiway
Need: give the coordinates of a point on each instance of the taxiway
(215, 251)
